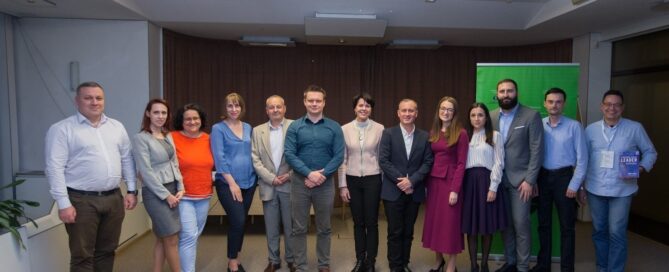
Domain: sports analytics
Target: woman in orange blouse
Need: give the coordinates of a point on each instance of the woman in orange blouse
(196, 163)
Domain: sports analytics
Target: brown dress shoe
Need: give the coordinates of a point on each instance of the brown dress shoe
(323, 269)
(292, 267)
(271, 267)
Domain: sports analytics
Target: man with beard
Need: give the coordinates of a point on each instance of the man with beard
(522, 132)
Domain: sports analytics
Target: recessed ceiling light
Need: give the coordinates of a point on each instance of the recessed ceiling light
(430, 1)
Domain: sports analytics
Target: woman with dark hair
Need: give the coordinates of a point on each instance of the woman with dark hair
(235, 176)
(360, 180)
(483, 208)
(441, 230)
(162, 187)
(195, 162)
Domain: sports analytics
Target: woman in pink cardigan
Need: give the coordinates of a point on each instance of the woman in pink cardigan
(360, 180)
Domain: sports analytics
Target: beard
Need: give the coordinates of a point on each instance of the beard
(508, 105)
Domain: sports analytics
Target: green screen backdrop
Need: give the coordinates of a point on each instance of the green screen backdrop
(533, 79)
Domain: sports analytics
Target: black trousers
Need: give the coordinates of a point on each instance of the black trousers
(401, 215)
(552, 189)
(365, 196)
(236, 212)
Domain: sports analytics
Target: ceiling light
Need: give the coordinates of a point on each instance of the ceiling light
(413, 44)
(345, 16)
(430, 1)
(270, 41)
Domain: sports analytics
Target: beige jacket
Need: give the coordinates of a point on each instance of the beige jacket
(357, 163)
(262, 161)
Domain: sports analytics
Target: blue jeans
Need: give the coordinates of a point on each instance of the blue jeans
(193, 217)
(609, 220)
(236, 212)
(277, 213)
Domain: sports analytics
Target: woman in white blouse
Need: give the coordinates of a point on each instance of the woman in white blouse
(483, 209)
(360, 180)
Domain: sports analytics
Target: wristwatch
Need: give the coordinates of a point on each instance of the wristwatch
(132, 192)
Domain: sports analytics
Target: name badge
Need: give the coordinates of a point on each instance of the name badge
(607, 159)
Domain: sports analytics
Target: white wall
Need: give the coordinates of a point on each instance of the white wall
(113, 53)
(595, 79)
(123, 56)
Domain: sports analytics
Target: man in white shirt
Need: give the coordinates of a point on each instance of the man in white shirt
(274, 181)
(405, 157)
(87, 155)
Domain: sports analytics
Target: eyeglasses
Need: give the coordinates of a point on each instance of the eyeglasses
(612, 105)
(451, 110)
(192, 119)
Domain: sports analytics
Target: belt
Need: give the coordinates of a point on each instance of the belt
(559, 171)
(92, 193)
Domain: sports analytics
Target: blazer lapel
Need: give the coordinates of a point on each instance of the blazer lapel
(514, 123)
(264, 136)
(400, 140)
(285, 129)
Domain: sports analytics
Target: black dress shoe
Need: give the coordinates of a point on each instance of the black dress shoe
(359, 266)
(484, 268)
(272, 267)
(369, 265)
(507, 268)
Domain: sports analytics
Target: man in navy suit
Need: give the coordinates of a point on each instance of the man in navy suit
(406, 158)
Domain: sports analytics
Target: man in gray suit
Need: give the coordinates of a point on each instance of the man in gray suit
(274, 172)
(522, 132)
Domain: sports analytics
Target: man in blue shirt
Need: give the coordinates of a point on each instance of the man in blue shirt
(560, 177)
(609, 194)
(314, 148)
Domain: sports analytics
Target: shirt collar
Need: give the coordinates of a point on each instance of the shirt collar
(269, 123)
(547, 120)
(81, 119)
(512, 113)
(613, 127)
(306, 118)
(405, 133)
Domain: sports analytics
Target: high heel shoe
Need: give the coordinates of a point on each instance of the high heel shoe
(440, 268)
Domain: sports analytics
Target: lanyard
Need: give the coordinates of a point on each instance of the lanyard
(614, 130)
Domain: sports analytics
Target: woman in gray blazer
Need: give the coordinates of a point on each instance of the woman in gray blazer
(162, 184)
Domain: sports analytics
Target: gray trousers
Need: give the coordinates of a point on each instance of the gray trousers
(277, 213)
(517, 235)
(301, 198)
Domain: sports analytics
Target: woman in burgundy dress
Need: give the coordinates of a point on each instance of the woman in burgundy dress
(450, 143)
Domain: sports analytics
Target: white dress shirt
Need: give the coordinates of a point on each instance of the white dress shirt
(408, 139)
(276, 144)
(481, 154)
(87, 158)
